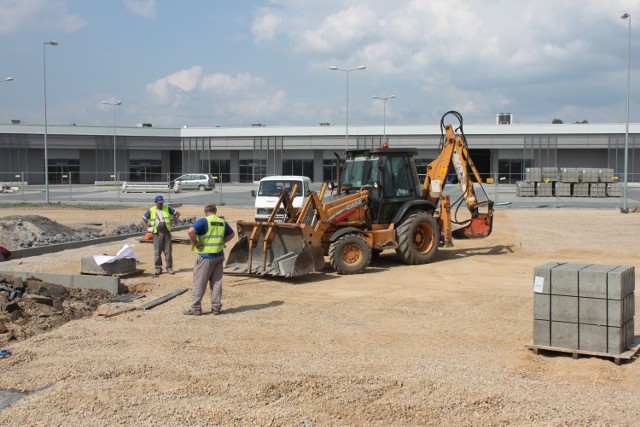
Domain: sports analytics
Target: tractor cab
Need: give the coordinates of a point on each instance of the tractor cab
(390, 176)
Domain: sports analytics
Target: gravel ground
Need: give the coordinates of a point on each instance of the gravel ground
(437, 344)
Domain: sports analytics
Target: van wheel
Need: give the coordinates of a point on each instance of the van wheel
(201, 187)
(350, 254)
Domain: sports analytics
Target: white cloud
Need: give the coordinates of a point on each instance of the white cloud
(169, 89)
(146, 8)
(225, 85)
(37, 14)
(265, 26)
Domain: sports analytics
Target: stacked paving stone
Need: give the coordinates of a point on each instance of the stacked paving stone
(587, 307)
(569, 182)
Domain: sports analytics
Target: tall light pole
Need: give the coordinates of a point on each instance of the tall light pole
(46, 151)
(334, 68)
(384, 115)
(624, 208)
(114, 104)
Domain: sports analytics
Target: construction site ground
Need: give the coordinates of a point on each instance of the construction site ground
(437, 344)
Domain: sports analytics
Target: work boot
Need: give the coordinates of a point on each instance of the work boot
(192, 312)
(216, 312)
(157, 273)
(170, 271)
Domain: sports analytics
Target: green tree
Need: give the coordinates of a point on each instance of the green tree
(556, 122)
(584, 122)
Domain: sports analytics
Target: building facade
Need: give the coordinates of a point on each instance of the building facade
(83, 154)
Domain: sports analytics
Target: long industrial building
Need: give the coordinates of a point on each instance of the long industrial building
(83, 154)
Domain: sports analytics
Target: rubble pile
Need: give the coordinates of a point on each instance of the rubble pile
(29, 307)
(30, 231)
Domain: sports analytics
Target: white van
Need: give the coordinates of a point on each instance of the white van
(270, 188)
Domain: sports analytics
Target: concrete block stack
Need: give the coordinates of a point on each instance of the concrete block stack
(567, 182)
(544, 189)
(598, 189)
(581, 189)
(614, 189)
(533, 174)
(525, 189)
(605, 175)
(589, 175)
(587, 307)
(570, 175)
(563, 189)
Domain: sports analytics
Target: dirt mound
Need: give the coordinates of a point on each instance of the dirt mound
(29, 307)
(27, 231)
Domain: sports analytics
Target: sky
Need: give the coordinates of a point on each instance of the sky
(233, 63)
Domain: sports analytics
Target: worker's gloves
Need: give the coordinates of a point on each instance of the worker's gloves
(150, 229)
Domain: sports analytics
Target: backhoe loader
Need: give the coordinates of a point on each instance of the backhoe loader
(379, 204)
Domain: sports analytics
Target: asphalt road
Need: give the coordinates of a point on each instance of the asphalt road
(239, 195)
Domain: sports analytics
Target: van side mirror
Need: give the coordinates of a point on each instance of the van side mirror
(253, 193)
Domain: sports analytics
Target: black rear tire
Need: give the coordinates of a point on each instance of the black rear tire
(350, 254)
(418, 238)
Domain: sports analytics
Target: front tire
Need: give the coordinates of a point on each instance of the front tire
(418, 238)
(350, 254)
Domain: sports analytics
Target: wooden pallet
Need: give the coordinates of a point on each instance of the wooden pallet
(617, 358)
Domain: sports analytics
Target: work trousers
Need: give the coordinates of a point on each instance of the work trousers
(162, 244)
(207, 271)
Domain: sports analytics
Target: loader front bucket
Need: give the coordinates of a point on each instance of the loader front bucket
(276, 249)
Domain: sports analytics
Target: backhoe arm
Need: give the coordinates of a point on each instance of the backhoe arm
(455, 153)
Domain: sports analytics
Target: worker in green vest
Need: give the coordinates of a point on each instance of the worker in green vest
(158, 220)
(208, 236)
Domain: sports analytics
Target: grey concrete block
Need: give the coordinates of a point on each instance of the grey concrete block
(544, 271)
(593, 280)
(565, 278)
(564, 335)
(621, 281)
(541, 332)
(541, 306)
(564, 309)
(593, 311)
(121, 266)
(593, 338)
(620, 339)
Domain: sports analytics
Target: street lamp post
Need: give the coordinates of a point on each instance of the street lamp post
(384, 100)
(334, 68)
(624, 208)
(114, 105)
(46, 151)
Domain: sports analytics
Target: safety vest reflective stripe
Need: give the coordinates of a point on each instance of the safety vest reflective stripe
(165, 214)
(213, 239)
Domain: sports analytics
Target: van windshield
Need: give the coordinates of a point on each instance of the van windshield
(274, 188)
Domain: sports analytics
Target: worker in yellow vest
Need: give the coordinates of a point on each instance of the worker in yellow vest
(158, 221)
(208, 236)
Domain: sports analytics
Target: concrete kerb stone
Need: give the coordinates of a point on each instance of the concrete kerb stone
(108, 283)
(40, 250)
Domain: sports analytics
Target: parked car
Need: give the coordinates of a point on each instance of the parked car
(199, 181)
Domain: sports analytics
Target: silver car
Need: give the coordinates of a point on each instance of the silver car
(192, 181)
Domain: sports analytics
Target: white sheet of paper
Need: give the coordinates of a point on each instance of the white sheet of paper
(538, 284)
(126, 252)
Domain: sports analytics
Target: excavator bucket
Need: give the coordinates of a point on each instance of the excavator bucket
(479, 227)
(276, 249)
